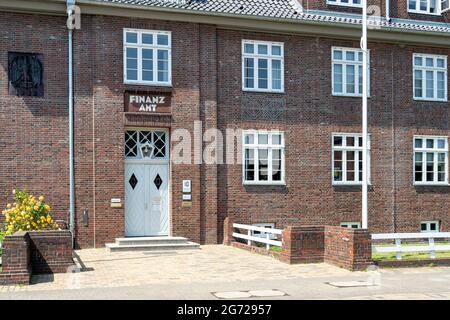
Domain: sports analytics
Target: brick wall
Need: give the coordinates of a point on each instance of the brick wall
(36, 252)
(51, 251)
(303, 244)
(348, 248)
(207, 86)
(16, 268)
(311, 116)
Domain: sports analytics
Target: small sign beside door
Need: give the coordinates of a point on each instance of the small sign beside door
(148, 102)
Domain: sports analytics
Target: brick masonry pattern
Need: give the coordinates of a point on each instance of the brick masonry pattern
(207, 87)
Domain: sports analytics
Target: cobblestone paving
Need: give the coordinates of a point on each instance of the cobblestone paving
(209, 264)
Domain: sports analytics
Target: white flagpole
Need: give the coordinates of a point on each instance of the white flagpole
(364, 119)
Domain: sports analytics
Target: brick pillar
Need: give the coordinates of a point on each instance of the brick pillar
(16, 267)
(348, 248)
(302, 244)
(208, 115)
(228, 231)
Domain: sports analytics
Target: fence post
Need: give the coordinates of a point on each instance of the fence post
(398, 243)
(249, 233)
(432, 248)
(267, 244)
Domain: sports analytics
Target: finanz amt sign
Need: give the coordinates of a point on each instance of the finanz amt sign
(149, 103)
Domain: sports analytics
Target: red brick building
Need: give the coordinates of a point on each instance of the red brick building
(149, 74)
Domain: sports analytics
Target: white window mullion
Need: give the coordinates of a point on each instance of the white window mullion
(344, 78)
(256, 162)
(424, 165)
(446, 167)
(344, 165)
(435, 167)
(256, 66)
(435, 86)
(139, 64)
(269, 162)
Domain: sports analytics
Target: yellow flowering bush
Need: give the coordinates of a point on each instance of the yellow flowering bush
(27, 213)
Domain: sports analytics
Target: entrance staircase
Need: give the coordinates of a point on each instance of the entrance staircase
(152, 244)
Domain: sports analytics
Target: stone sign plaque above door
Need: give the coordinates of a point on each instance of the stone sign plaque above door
(148, 102)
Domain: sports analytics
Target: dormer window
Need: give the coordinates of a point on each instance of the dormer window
(348, 3)
(425, 6)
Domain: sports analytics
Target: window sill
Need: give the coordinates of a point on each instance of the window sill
(348, 184)
(349, 95)
(430, 100)
(150, 84)
(424, 13)
(264, 183)
(263, 91)
(431, 185)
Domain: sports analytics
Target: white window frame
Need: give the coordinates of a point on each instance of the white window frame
(350, 3)
(428, 223)
(427, 11)
(344, 158)
(350, 225)
(344, 63)
(256, 57)
(263, 234)
(435, 70)
(424, 150)
(268, 146)
(139, 46)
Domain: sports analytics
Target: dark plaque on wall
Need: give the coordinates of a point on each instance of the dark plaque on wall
(148, 102)
(25, 74)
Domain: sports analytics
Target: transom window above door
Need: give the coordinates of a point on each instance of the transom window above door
(147, 57)
(146, 145)
(430, 160)
(348, 3)
(262, 66)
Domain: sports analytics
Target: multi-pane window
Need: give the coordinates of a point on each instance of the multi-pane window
(263, 157)
(350, 3)
(430, 160)
(347, 158)
(147, 57)
(351, 225)
(424, 6)
(429, 226)
(262, 66)
(430, 77)
(347, 65)
(146, 145)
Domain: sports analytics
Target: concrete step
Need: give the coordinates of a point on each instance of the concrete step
(114, 247)
(150, 240)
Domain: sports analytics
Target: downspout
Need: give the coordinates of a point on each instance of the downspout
(70, 6)
(388, 10)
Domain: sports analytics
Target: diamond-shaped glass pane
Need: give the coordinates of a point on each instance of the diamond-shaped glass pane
(158, 181)
(133, 181)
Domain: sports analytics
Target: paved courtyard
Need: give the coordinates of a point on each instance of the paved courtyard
(197, 274)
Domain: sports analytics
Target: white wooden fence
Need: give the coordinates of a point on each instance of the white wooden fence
(267, 235)
(398, 248)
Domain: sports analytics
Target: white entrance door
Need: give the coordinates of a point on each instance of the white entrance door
(146, 200)
(146, 183)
